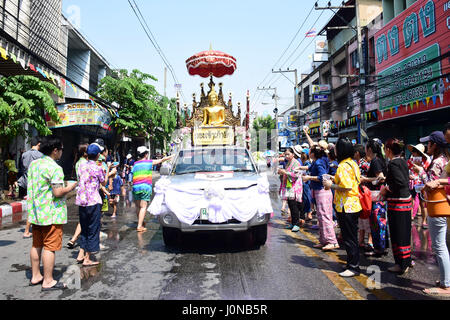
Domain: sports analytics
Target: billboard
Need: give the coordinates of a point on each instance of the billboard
(412, 60)
(81, 114)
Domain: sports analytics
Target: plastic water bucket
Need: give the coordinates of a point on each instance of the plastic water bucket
(437, 203)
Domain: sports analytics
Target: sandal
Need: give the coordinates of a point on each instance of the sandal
(31, 284)
(437, 292)
(141, 229)
(57, 286)
(70, 244)
(92, 264)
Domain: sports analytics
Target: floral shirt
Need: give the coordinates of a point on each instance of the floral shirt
(347, 176)
(42, 206)
(435, 171)
(91, 176)
(292, 184)
(77, 167)
(364, 166)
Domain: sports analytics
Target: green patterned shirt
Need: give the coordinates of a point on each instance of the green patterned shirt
(43, 208)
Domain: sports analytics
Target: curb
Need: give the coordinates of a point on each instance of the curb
(15, 211)
(13, 208)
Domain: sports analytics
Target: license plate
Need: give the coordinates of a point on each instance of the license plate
(204, 215)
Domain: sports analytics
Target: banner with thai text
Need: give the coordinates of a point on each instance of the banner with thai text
(412, 60)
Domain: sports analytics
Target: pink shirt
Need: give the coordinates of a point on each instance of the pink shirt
(91, 176)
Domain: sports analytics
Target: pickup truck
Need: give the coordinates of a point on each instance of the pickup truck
(211, 189)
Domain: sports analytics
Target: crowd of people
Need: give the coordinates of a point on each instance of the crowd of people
(100, 182)
(328, 179)
(316, 177)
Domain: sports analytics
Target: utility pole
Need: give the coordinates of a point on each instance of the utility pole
(165, 82)
(297, 97)
(362, 72)
(275, 97)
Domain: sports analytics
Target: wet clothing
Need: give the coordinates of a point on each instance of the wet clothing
(291, 184)
(348, 222)
(318, 169)
(399, 211)
(116, 186)
(90, 221)
(347, 176)
(324, 205)
(377, 165)
(142, 180)
(91, 176)
(378, 226)
(44, 209)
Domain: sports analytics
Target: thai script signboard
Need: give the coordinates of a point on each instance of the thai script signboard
(412, 60)
(81, 114)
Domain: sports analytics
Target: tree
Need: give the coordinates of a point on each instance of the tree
(24, 100)
(143, 111)
(264, 123)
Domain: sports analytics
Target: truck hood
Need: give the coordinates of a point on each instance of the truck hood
(226, 180)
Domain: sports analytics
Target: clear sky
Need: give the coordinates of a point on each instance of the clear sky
(256, 33)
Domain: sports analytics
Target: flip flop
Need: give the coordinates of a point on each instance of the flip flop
(28, 237)
(31, 284)
(435, 292)
(57, 286)
(141, 229)
(96, 263)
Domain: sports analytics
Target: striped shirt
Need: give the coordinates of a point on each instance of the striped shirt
(142, 176)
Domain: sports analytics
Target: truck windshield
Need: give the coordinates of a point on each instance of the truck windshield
(213, 160)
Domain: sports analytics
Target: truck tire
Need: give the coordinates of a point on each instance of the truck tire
(171, 236)
(260, 235)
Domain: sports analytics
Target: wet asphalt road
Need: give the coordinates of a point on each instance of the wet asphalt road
(210, 267)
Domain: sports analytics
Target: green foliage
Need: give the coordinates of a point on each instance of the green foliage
(264, 123)
(143, 111)
(25, 100)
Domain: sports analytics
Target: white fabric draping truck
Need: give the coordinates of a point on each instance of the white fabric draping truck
(187, 200)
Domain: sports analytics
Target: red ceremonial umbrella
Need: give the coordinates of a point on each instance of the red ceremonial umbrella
(207, 63)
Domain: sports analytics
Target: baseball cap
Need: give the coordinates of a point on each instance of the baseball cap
(129, 156)
(436, 137)
(142, 150)
(305, 146)
(93, 149)
(115, 164)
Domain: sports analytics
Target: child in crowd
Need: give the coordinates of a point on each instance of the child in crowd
(115, 189)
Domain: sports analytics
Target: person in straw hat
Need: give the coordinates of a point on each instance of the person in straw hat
(419, 157)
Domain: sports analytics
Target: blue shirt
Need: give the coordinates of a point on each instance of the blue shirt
(318, 169)
(333, 167)
(117, 184)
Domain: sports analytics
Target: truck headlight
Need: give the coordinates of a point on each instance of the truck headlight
(168, 219)
(261, 218)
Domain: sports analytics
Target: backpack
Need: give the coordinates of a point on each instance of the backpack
(365, 198)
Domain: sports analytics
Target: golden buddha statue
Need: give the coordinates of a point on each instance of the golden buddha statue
(213, 115)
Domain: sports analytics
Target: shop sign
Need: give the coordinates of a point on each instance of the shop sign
(409, 60)
(213, 136)
(81, 114)
(320, 98)
(320, 89)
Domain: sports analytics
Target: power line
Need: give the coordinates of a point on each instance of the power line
(152, 39)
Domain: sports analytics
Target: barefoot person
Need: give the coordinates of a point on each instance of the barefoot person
(142, 183)
(89, 201)
(47, 212)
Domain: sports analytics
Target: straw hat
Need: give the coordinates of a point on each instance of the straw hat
(298, 151)
(420, 148)
(324, 145)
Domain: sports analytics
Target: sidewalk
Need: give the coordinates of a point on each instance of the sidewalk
(12, 211)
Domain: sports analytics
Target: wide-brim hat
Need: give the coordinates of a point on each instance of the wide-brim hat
(323, 145)
(420, 148)
(298, 151)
